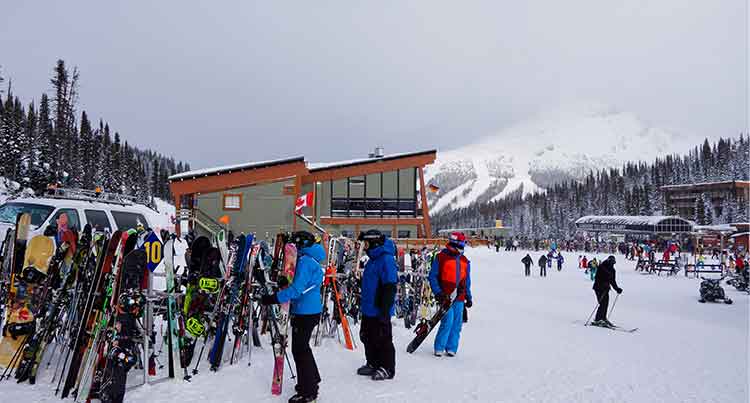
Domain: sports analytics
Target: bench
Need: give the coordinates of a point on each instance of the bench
(669, 266)
(714, 268)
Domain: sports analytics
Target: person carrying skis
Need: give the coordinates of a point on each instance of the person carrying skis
(450, 280)
(305, 308)
(542, 265)
(378, 293)
(605, 277)
(527, 262)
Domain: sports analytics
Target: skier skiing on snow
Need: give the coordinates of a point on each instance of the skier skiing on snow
(450, 280)
(527, 262)
(605, 277)
(378, 295)
(304, 294)
(542, 266)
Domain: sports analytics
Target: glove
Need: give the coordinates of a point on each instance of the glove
(619, 290)
(283, 282)
(443, 299)
(269, 299)
(469, 303)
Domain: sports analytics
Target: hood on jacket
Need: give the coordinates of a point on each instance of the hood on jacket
(387, 248)
(315, 251)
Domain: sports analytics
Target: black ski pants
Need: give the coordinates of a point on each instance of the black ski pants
(602, 296)
(308, 376)
(543, 270)
(377, 337)
(528, 269)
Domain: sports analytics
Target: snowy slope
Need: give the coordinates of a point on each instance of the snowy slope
(521, 345)
(560, 145)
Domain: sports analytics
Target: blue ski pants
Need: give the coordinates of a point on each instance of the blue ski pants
(449, 332)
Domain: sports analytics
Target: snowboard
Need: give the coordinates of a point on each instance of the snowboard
(47, 310)
(425, 327)
(25, 297)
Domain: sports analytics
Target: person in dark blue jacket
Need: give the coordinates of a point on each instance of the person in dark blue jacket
(378, 293)
(303, 294)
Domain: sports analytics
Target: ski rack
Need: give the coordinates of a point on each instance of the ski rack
(92, 196)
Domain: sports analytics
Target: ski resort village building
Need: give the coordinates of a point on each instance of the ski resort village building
(386, 192)
(721, 198)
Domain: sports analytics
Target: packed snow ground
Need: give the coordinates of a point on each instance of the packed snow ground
(524, 343)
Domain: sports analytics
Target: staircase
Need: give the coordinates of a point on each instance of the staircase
(201, 220)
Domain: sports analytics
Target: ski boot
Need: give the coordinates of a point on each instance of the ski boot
(382, 374)
(298, 398)
(438, 353)
(366, 370)
(450, 354)
(599, 323)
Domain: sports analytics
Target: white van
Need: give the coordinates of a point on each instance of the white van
(103, 216)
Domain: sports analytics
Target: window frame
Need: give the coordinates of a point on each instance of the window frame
(139, 216)
(106, 217)
(224, 198)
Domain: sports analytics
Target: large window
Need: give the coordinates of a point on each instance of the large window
(385, 194)
(38, 212)
(126, 221)
(98, 220)
(66, 218)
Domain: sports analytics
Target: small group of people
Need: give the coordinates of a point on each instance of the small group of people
(544, 262)
(450, 280)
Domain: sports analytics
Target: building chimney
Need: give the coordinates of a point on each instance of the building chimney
(379, 152)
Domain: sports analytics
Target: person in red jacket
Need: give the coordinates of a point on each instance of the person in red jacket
(450, 280)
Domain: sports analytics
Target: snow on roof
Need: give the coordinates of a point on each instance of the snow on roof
(740, 234)
(627, 220)
(231, 168)
(318, 166)
(702, 184)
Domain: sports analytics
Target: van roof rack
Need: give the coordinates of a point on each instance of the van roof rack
(91, 195)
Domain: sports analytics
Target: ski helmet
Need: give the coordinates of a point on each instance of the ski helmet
(302, 239)
(457, 240)
(373, 237)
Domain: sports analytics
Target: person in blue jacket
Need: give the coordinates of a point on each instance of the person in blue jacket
(378, 294)
(450, 280)
(303, 294)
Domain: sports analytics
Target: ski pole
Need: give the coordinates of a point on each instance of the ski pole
(613, 305)
(598, 302)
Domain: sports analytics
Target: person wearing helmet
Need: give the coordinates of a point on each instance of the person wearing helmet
(450, 280)
(605, 276)
(305, 307)
(378, 294)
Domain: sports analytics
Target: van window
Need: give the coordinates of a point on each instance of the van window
(39, 212)
(126, 221)
(98, 220)
(66, 218)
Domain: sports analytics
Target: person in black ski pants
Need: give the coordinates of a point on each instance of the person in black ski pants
(605, 276)
(543, 266)
(378, 294)
(304, 297)
(527, 262)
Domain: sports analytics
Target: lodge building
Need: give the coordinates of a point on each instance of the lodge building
(681, 199)
(386, 192)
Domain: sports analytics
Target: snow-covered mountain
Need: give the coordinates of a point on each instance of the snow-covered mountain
(556, 146)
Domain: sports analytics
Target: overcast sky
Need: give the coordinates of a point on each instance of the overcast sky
(228, 82)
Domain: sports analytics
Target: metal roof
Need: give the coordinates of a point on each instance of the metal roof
(234, 168)
(321, 166)
(626, 220)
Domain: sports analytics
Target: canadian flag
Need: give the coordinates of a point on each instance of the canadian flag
(306, 200)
